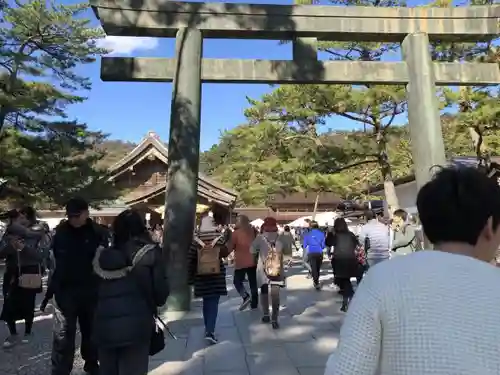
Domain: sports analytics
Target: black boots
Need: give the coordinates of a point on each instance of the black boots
(345, 304)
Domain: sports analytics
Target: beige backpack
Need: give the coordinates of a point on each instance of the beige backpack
(273, 261)
(208, 257)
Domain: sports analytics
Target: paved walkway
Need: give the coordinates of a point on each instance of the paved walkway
(310, 324)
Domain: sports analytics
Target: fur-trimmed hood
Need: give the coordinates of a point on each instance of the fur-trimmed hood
(112, 264)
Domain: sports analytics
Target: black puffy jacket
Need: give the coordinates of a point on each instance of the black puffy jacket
(133, 283)
(74, 249)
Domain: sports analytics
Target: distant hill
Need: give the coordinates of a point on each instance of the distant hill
(115, 150)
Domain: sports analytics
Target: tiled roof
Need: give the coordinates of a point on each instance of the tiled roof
(207, 187)
(204, 190)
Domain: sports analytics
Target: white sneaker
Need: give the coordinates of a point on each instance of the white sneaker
(10, 342)
(211, 339)
(27, 338)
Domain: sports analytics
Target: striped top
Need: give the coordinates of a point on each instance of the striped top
(207, 285)
(379, 237)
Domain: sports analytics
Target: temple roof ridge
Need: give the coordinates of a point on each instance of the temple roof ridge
(153, 140)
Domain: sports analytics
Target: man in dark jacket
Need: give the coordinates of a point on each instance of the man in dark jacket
(74, 287)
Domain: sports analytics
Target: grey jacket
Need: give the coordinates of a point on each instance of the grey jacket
(288, 243)
(30, 255)
(405, 240)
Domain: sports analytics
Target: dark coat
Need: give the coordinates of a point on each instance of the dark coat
(329, 239)
(133, 284)
(207, 285)
(28, 260)
(344, 261)
(19, 303)
(74, 250)
(30, 255)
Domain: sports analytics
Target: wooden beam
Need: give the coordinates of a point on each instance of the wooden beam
(141, 69)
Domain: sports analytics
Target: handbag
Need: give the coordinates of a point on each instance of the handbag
(32, 281)
(360, 255)
(158, 326)
(157, 340)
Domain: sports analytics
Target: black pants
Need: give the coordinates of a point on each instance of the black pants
(359, 277)
(316, 260)
(345, 286)
(6, 281)
(27, 299)
(129, 360)
(70, 308)
(239, 277)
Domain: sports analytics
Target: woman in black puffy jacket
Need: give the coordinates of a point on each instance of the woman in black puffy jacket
(133, 284)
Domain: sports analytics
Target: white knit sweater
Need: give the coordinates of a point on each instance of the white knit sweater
(427, 313)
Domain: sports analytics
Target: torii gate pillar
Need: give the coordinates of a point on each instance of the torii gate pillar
(183, 162)
(423, 108)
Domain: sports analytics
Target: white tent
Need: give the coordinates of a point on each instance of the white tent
(257, 223)
(52, 222)
(300, 222)
(325, 219)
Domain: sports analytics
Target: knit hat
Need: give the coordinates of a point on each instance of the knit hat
(207, 224)
(269, 225)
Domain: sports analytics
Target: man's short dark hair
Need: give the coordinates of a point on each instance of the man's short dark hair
(456, 204)
(370, 215)
(29, 212)
(401, 213)
(75, 206)
(314, 224)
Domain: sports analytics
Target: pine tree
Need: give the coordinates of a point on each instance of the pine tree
(44, 152)
(375, 108)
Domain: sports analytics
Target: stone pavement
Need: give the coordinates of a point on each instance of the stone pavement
(310, 324)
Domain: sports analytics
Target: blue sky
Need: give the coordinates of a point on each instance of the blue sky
(128, 111)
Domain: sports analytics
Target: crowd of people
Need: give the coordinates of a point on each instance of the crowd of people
(111, 289)
(109, 281)
(412, 312)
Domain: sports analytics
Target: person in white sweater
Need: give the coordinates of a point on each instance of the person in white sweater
(433, 312)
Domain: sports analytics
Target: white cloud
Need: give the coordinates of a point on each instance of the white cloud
(125, 45)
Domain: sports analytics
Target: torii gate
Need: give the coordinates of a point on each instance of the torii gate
(189, 23)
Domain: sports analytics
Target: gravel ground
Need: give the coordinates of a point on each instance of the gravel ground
(32, 358)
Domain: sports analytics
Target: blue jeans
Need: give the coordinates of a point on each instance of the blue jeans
(210, 311)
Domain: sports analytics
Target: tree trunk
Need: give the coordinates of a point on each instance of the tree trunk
(315, 206)
(391, 197)
(10, 84)
(465, 106)
(480, 148)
